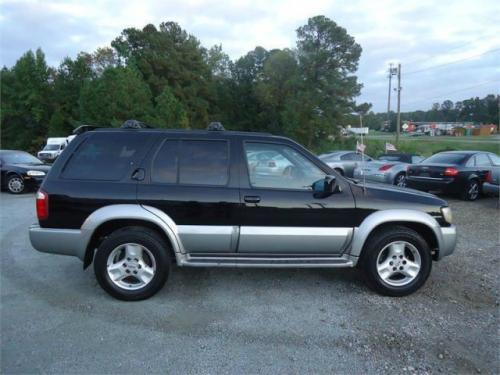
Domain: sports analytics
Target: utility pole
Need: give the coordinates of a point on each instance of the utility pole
(398, 125)
(389, 97)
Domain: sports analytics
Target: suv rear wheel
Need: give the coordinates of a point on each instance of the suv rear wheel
(396, 262)
(132, 263)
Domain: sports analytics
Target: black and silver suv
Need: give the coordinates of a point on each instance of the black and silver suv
(136, 201)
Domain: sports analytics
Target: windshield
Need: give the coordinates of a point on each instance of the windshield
(20, 158)
(447, 158)
(51, 147)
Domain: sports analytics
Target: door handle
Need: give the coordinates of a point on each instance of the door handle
(252, 199)
(138, 174)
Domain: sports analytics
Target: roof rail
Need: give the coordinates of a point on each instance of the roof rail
(85, 128)
(215, 126)
(134, 124)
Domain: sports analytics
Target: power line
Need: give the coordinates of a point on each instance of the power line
(452, 62)
(455, 91)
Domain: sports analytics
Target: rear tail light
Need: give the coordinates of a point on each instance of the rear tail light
(386, 167)
(271, 164)
(450, 172)
(42, 205)
(489, 177)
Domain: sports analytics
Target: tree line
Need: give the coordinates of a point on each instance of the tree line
(474, 110)
(165, 77)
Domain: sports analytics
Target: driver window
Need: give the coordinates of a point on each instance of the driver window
(279, 166)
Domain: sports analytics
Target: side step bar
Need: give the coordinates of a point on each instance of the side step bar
(268, 262)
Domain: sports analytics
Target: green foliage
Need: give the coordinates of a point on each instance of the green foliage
(118, 95)
(169, 112)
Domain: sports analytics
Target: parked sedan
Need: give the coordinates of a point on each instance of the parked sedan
(388, 169)
(452, 172)
(21, 171)
(344, 162)
(492, 183)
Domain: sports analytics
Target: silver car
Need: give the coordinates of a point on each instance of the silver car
(344, 162)
(388, 169)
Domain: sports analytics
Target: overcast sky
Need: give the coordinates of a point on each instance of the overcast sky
(421, 34)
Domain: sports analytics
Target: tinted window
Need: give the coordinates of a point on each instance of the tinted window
(19, 158)
(164, 169)
(482, 160)
(105, 156)
(280, 166)
(447, 158)
(203, 163)
(416, 159)
(349, 156)
(391, 158)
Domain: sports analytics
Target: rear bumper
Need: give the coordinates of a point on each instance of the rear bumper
(448, 241)
(432, 184)
(58, 241)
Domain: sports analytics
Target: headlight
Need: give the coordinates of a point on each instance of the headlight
(35, 173)
(447, 215)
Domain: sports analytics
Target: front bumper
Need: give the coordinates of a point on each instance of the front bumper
(58, 241)
(491, 189)
(448, 241)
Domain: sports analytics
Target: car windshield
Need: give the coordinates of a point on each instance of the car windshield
(390, 157)
(447, 158)
(51, 147)
(20, 158)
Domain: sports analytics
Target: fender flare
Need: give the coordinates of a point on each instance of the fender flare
(374, 220)
(133, 212)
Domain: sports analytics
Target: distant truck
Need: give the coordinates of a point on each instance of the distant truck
(53, 148)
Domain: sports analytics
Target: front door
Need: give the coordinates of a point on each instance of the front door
(191, 180)
(280, 214)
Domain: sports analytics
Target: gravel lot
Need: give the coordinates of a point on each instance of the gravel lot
(56, 319)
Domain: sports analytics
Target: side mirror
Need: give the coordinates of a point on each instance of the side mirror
(326, 187)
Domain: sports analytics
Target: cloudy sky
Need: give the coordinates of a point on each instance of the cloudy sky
(448, 49)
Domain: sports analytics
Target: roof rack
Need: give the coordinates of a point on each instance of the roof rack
(134, 124)
(85, 128)
(215, 126)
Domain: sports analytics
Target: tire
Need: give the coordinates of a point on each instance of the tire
(139, 260)
(15, 184)
(471, 191)
(400, 179)
(386, 248)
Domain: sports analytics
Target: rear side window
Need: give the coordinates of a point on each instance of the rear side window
(192, 162)
(105, 156)
(494, 159)
(482, 160)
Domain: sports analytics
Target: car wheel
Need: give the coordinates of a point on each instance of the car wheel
(133, 263)
(400, 180)
(471, 191)
(15, 184)
(396, 261)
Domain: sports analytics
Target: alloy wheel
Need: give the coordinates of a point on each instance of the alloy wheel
(398, 263)
(16, 185)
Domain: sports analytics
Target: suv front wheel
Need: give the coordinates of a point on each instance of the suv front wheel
(132, 263)
(396, 262)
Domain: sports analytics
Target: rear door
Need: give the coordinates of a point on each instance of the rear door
(191, 180)
(280, 215)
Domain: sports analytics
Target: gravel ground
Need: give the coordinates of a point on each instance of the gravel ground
(56, 319)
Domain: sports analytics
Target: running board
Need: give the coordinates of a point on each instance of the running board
(267, 262)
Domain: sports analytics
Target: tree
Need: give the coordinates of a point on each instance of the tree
(169, 56)
(169, 112)
(118, 95)
(328, 57)
(26, 104)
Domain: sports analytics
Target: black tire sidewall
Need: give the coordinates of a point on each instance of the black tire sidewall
(149, 239)
(378, 242)
(397, 178)
(465, 194)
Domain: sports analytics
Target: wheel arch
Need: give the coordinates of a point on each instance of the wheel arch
(110, 218)
(421, 222)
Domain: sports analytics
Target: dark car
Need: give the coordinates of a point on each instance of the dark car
(21, 171)
(452, 172)
(134, 201)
